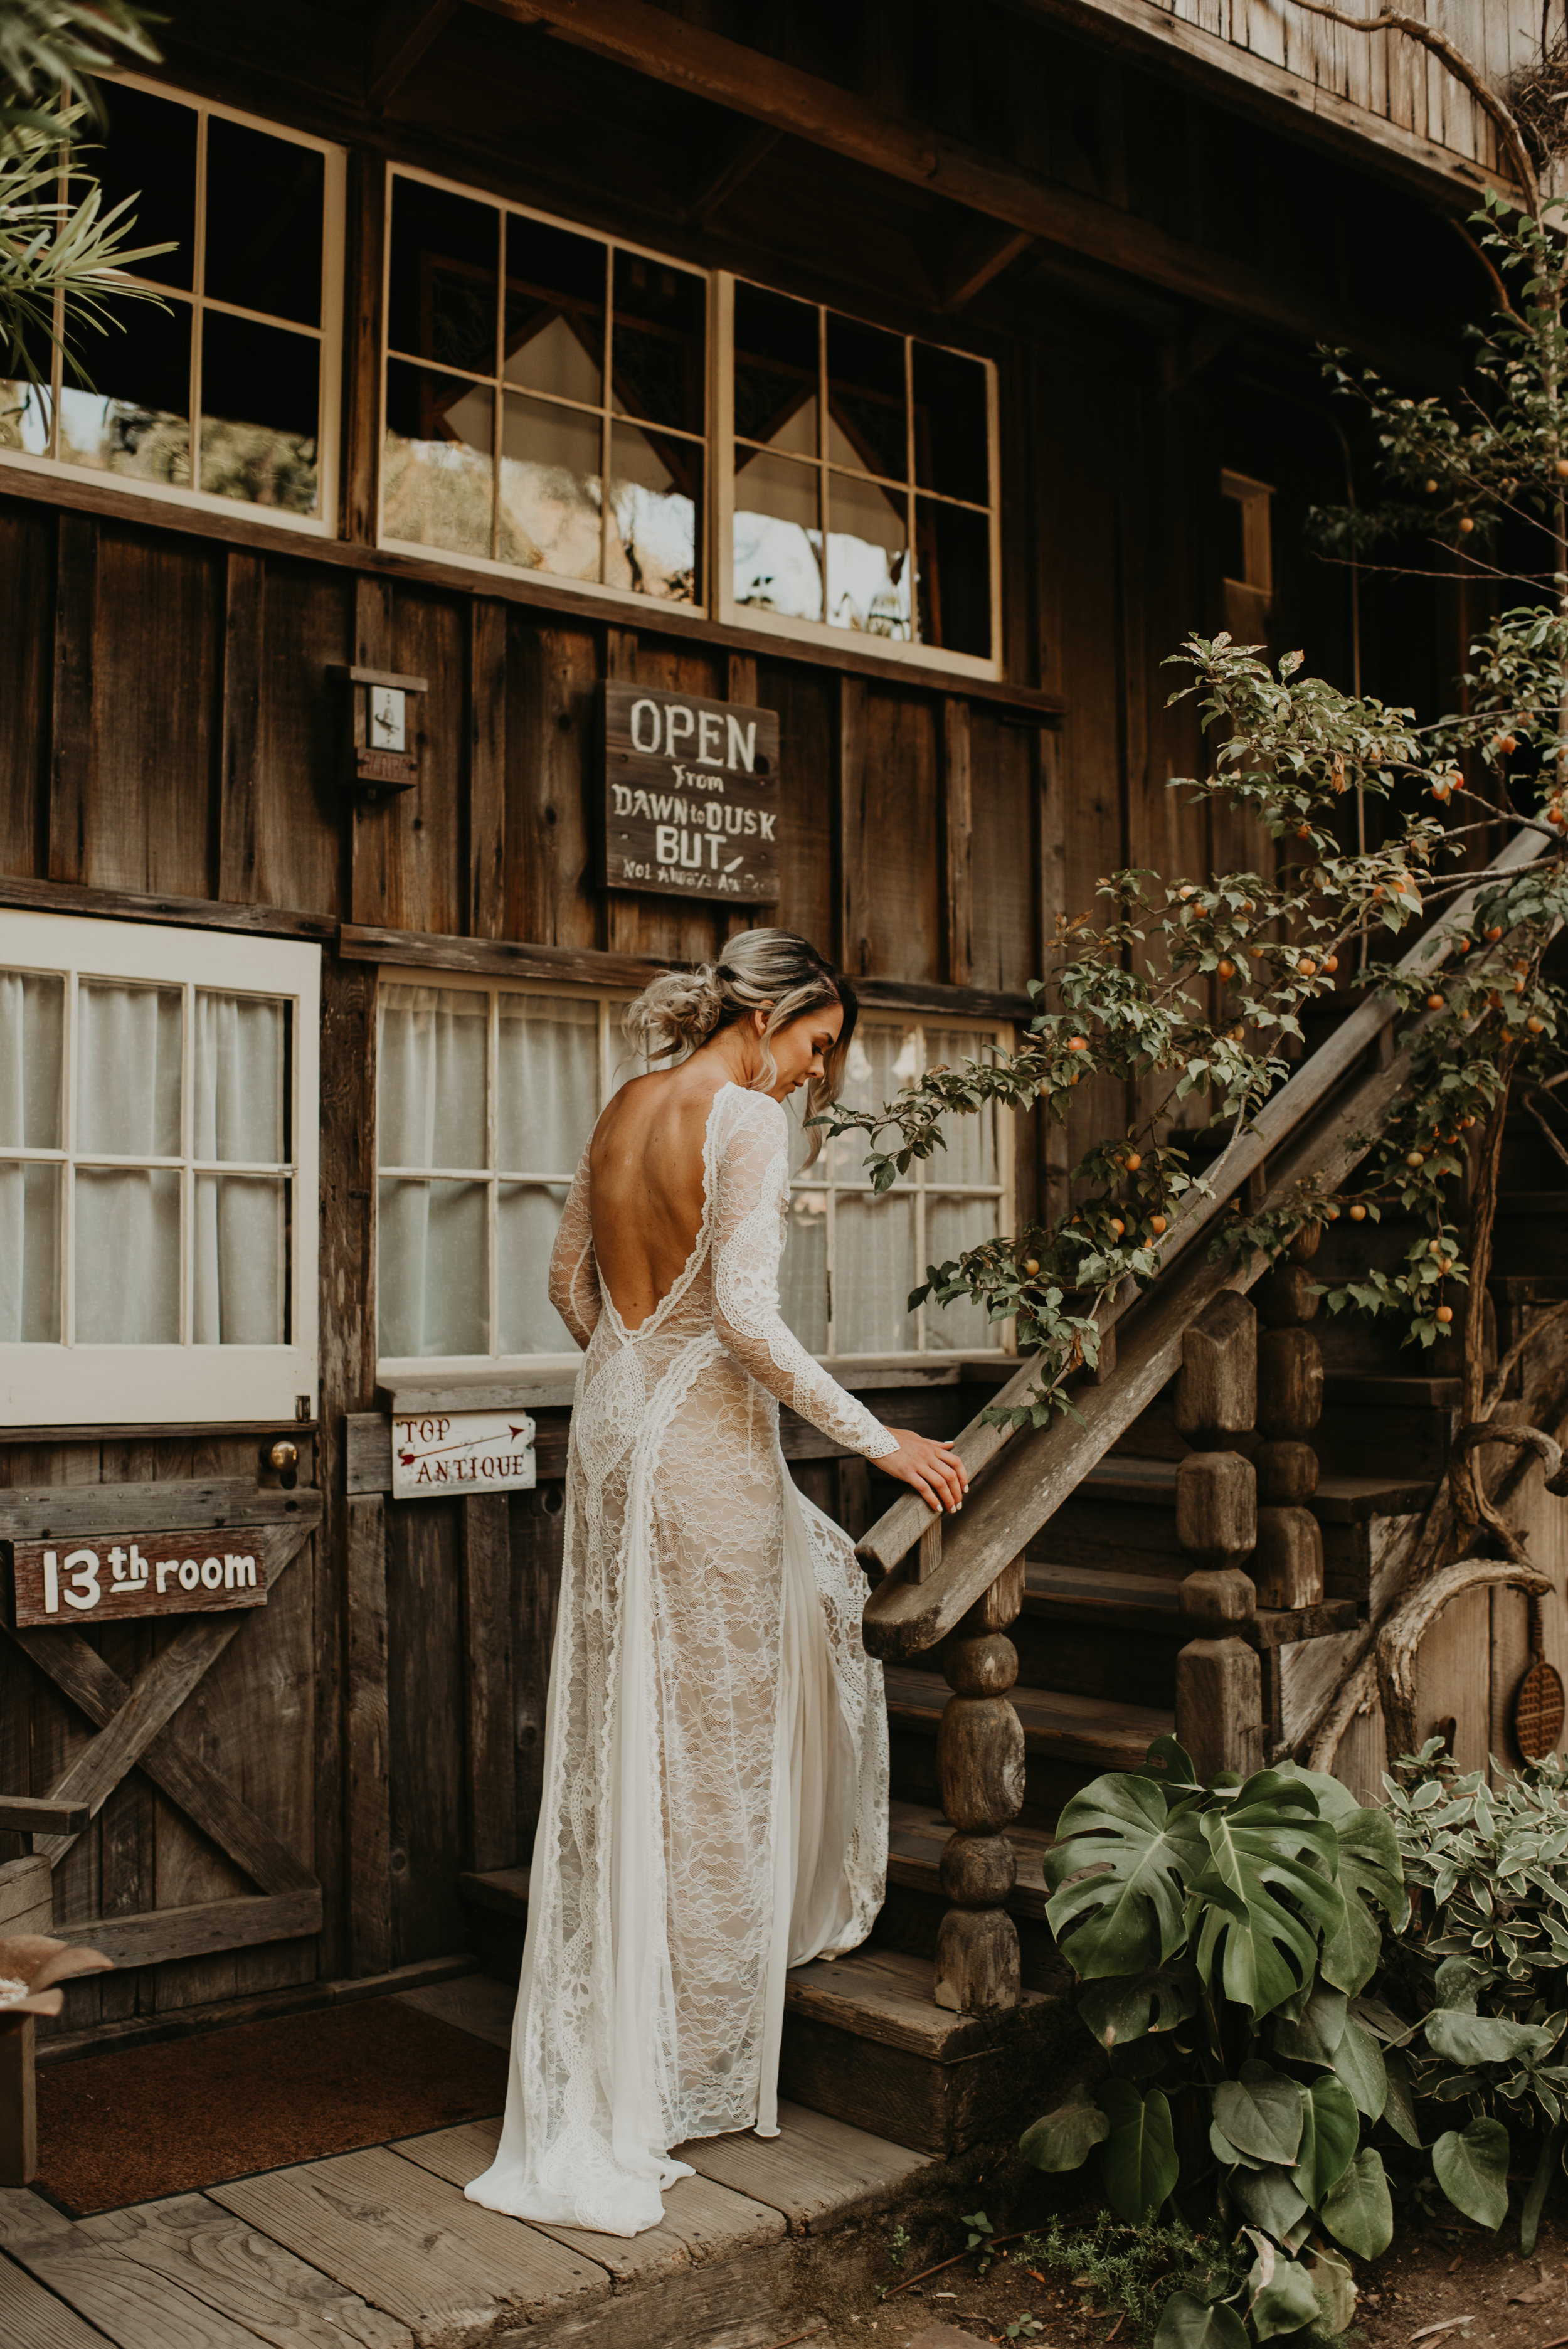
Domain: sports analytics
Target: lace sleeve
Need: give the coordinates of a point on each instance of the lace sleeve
(750, 1176)
(573, 1275)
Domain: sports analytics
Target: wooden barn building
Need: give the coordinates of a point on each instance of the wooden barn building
(599, 475)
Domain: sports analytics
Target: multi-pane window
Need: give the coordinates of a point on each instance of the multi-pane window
(157, 1135)
(486, 1096)
(851, 1259)
(861, 478)
(226, 386)
(546, 396)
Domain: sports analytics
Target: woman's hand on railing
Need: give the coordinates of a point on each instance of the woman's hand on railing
(931, 1469)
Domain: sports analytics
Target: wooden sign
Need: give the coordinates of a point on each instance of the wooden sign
(116, 1575)
(691, 796)
(436, 1454)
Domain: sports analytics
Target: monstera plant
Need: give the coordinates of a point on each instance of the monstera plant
(1223, 1935)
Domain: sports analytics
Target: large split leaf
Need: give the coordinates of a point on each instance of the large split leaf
(1316, 2036)
(1264, 1903)
(1359, 2064)
(1370, 1873)
(1118, 1876)
(1189, 2323)
(1330, 2132)
(1472, 2166)
(1138, 2158)
(1400, 2111)
(1063, 2139)
(1357, 2212)
(1261, 2113)
(1118, 2012)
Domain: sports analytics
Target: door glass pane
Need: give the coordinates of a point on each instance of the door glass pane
(866, 398)
(240, 1067)
(128, 1069)
(137, 419)
(29, 1255)
(777, 537)
(868, 558)
(434, 1268)
(775, 383)
(550, 487)
(952, 439)
(443, 280)
(438, 473)
(971, 1153)
(31, 1036)
(240, 1268)
(659, 344)
(128, 1257)
(951, 1227)
(431, 1079)
(954, 577)
(263, 221)
(881, 1058)
(261, 396)
(873, 1272)
(547, 1082)
(802, 1276)
(554, 310)
(656, 500)
(527, 1219)
(148, 154)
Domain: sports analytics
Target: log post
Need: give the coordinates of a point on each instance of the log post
(1219, 1685)
(1288, 1567)
(980, 1770)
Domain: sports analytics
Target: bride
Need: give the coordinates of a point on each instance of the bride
(716, 1748)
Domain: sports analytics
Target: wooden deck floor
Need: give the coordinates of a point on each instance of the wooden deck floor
(379, 2250)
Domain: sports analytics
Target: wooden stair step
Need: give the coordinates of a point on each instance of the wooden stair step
(916, 1834)
(1089, 1594)
(1066, 1727)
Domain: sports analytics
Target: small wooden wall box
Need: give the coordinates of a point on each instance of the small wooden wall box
(382, 754)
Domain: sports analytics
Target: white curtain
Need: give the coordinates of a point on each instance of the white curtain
(128, 1054)
(32, 1036)
(239, 1243)
(433, 1249)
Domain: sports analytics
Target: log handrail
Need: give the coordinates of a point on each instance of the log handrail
(1025, 1482)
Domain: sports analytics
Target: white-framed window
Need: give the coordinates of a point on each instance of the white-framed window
(158, 1122)
(487, 1093)
(546, 396)
(851, 1259)
(561, 402)
(225, 391)
(856, 480)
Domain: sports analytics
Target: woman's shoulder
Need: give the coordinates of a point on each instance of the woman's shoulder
(742, 1111)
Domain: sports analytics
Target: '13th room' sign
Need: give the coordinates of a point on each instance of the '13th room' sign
(691, 799)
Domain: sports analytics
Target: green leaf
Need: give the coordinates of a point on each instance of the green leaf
(1357, 2212)
(1283, 2297)
(1483, 2038)
(1458, 1980)
(1267, 2199)
(1330, 2132)
(1138, 2158)
(1127, 1917)
(1315, 2038)
(1359, 2064)
(1256, 1846)
(1531, 2218)
(1335, 2289)
(1189, 2323)
(1118, 2012)
(1399, 2112)
(1063, 2139)
(1471, 2168)
(1370, 1871)
(1228, 2156)
(1261, 2113)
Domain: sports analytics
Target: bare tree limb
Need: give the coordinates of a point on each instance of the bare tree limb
(1401, 1635)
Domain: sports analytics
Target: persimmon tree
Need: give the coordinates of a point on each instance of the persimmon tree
(1199, 988)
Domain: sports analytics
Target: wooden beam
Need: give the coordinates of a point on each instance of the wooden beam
(398, 39)
(977, 260)
(39, 1814)
(753, 150)
(489, 1776)
(958, 873)
(648, 40)
(71, 733)
(159, 1935)
(486, 767)
(369, 1842)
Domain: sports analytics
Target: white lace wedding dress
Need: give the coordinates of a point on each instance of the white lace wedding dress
(715, 1779)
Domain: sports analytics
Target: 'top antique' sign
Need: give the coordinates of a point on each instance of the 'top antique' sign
(691, 796)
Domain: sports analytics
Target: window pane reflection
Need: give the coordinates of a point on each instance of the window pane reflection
(550, 489)
(554, 310)
(261, 395)
(777, 537)
(25, 409)
(656, 498)
(136, 419)
(438, 474)
(443, 284)
(954, 577)
(868, 558)
(264, 246)
(776, 385)
(150, 154)
(659, 363)
(866, 397)
(952, 451)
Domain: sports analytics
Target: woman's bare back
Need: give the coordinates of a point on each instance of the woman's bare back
(646, 1171)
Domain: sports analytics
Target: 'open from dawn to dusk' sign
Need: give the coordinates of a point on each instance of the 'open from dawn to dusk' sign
(691, 796)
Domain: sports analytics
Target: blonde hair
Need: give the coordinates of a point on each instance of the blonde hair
(772, 971)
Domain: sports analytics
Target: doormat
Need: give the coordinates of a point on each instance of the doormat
(114, 2129)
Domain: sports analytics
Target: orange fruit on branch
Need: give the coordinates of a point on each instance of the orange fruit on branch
(1444, 1313)
(1359, 1215)
(1157, 1224)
